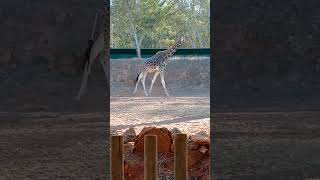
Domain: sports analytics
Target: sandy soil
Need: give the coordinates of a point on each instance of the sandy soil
(267, 144)
(189, 114)
(44, 133)
(251, 142)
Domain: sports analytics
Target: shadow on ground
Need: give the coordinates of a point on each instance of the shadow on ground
(44, 133)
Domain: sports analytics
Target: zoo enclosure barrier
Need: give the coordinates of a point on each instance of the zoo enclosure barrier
(150, 157)
(118, 53)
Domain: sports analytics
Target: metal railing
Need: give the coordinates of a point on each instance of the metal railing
(117, 53)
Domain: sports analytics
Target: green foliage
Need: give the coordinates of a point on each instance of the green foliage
(157, 23)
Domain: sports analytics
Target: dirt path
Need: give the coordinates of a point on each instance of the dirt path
(45, 134)
(45, 145)
(189, 114)
(267, 145)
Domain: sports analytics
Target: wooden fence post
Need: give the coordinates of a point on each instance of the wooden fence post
(180, 154)
(117, 158)
(150, 157)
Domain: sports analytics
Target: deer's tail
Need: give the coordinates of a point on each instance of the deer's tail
(138, 73)
(86, 57)
(137, 77)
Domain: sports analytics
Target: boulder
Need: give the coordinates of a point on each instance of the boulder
(203, 149)
(172, 147)
(133, 172)
(201, 168)
(129, 135)
(193, 157)
(190, 146)
(128, 147)
(205, 177)
(201, 138)
(174, 131)
(165, 130)
(164, 140)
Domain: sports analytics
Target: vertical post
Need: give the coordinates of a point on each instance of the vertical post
(117, 158)
(180, 154)
(150, 157)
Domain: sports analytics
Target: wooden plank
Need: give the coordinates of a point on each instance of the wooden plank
(180, 157)
(150, 157)
(117, 158)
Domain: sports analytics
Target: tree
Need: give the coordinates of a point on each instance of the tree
(157, 23)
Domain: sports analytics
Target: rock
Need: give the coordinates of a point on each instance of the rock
(133, 172)
(172, 147)
(203, 149)
(164, 140)
(146, 129)
(128, 147)
(165, 130)
(165, 163)
(201, 138)
(192, 145)
(193, 157)
(129, 135)
(174, 131)
(205, 177)
(201, 168)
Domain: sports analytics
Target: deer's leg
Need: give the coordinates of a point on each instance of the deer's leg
(104, 64)
(143, 83)
(86, 74)
(137, 83)
(153, 80)
(163, 83)
(96, 49)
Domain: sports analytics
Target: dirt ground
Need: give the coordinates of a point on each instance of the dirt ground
(189, 114)
(249, 141)
(268, 144)
(45, 134)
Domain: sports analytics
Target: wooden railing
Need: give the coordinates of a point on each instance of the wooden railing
(150, 157)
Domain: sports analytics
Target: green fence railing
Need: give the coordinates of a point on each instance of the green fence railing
(148, 52)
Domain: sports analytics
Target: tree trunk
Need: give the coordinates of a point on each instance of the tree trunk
(134, 32)
(137, 43)
(196, 32)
